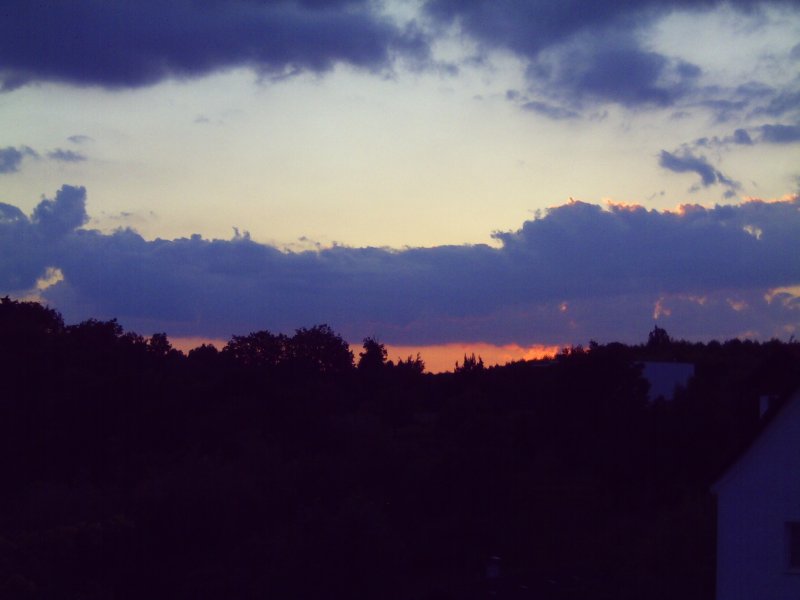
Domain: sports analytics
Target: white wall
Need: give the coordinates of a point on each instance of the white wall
(755, 499)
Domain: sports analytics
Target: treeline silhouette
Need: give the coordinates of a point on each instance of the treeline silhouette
(286, 467)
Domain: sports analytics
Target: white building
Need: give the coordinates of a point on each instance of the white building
(758, 514)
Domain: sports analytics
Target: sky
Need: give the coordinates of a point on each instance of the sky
(502, 175)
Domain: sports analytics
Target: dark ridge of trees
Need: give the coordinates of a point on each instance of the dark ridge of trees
(279, 467)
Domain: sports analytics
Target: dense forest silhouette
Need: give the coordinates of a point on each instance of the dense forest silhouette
(286, 467)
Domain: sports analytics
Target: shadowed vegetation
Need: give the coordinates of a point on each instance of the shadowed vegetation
(279, 468)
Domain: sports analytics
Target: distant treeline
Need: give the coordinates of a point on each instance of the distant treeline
(286, 467)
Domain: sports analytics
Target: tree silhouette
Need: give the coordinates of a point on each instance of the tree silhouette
(470, 365)
(412, 365)
(260, 349)
(159, 345)
(31, 318)
(658, 338)
(373, 358)
(319, 350)
(390, 486)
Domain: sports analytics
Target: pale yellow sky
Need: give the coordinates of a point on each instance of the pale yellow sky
(421, 158)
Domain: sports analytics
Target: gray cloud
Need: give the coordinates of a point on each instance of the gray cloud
(63, 214)
(549, 110)
(79, 139)
(742, 138)
(686, 162)
(581, 53)
(613, 68)
(11, 214)
(577, 272)
(771, 133)
(11, 158)
(28, 246)
(783, 102)
(780, 134)
(131, 43)
(66, 155)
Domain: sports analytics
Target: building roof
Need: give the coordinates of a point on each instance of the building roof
(779, 416)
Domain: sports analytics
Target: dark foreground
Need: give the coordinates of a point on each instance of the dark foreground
(277, 468)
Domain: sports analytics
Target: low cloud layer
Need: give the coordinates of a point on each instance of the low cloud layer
(132, 43)
(577, 272)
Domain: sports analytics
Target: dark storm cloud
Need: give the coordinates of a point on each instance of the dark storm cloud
(578, 271)
(580, 53)
(130, 43)
(686, 162)
(11, 158)
(66, 155)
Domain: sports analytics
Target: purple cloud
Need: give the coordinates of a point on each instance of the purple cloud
(11, 158)
(131, 43)
(583, 53)
(578, 272)
(66, 155)
(686, 162)
(780, 134)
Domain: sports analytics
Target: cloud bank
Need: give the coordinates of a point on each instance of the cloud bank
(577, 272)
(132, 43)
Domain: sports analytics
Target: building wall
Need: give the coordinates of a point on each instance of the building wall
(755, 500)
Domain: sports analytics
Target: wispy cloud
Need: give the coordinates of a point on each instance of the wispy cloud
(79, 139)
(66, 155)
(582, 54)
(686, 162)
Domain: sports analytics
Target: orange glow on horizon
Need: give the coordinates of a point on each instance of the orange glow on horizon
(438, 358)
(184, 344)
(442, 357)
